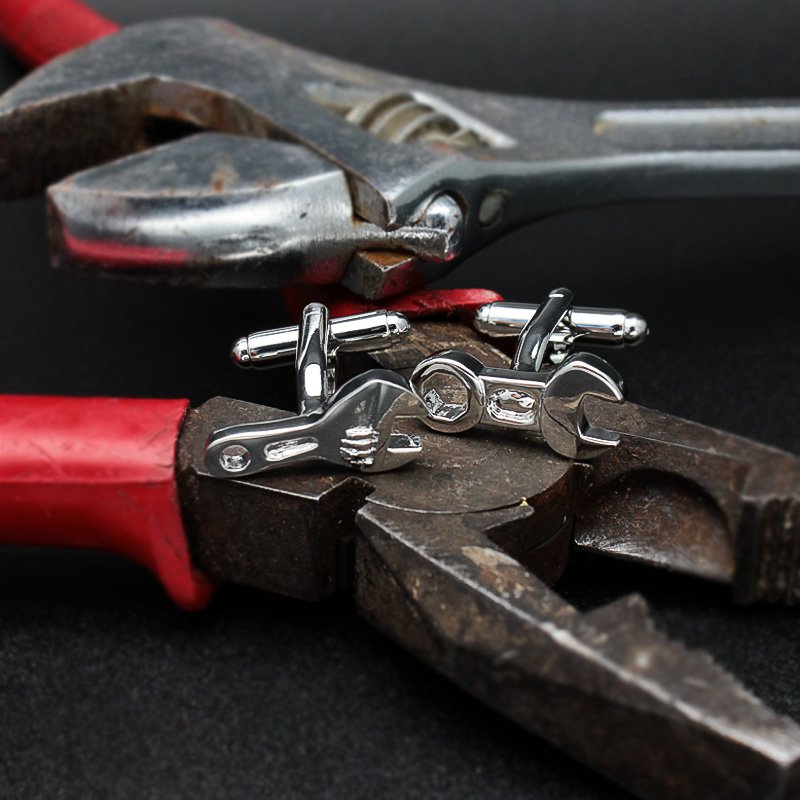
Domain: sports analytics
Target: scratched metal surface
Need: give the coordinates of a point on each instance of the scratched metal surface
(107, 691)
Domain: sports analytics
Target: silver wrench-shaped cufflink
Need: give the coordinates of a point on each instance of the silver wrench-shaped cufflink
(544, 390)
(351, 427)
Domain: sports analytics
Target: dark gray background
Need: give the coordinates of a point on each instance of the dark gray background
(107, 691)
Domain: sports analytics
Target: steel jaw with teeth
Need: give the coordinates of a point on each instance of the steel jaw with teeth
(321, 171)
(452, 557)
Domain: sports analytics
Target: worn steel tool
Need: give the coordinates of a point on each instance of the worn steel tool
(452, 556)
(322, 171)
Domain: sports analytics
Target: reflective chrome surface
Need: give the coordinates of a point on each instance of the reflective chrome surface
(605, 326)
(373, 330)
(352, 427)
(314, 373)
(536, 335)
(459, 392)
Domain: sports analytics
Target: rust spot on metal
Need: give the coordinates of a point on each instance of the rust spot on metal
(224, 177)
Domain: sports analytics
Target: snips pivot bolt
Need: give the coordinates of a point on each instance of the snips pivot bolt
(544, 390)
(351, 426)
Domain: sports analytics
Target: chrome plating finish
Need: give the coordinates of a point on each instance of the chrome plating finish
(373, 330)
(351, 427)
(314, 372)
(536, 335)
(604, 326)
(459, 392)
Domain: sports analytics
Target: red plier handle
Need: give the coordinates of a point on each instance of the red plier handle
(39, 30)
(98, 472)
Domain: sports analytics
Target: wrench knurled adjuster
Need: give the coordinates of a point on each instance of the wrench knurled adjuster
(351, 427)
(545, 388)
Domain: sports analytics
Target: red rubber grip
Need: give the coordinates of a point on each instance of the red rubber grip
(38, 30)
(98, 472)
(415, 304)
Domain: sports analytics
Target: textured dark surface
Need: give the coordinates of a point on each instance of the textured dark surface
(107, 691)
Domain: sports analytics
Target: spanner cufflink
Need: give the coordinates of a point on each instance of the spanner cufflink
(351, 427)
(545, 388)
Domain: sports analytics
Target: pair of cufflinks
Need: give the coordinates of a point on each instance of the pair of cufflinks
(451, 391)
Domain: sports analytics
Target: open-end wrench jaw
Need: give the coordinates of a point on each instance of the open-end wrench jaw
(563, 422)
(414, 175)
(460, 392)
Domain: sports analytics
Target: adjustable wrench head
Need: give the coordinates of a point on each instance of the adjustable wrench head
(417, 173)
(354, 429)
(361, 416)
(219, 210)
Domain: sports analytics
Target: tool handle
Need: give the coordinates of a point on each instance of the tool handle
(98, 472)
(423, 302)
(38, 30)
